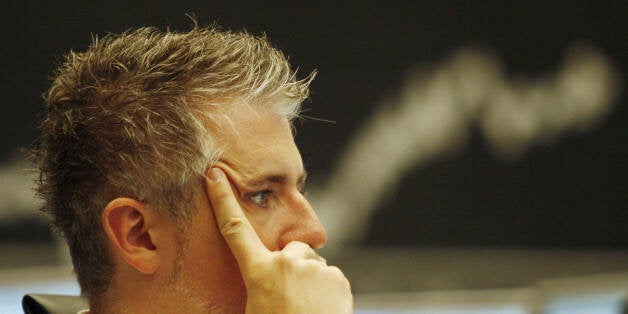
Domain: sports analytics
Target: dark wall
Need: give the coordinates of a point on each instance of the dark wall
(573, 193)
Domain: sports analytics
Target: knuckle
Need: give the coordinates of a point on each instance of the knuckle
(219, 194)
(335, 271)
(260, 284)
(233, 226)
(338, 275)
(297, 246)
(347, 283)
(284, 260)
(257, 278)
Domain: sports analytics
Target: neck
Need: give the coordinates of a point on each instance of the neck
(153, 297)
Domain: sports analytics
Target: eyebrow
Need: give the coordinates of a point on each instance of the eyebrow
(277, 179)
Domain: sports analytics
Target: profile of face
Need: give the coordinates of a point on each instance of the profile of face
(264, 166)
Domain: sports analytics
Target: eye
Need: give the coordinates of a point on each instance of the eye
(260, 198)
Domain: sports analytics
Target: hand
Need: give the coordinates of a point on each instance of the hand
(293, 280)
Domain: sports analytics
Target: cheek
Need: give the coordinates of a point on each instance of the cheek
(264, 221)
(204, 247)
(257, 216)
(207, 264)
(268, 225)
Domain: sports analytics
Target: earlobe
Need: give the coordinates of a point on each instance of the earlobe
(127, 223)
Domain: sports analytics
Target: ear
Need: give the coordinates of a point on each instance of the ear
(128, 224)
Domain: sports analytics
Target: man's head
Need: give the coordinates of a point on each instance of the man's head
(133, 124)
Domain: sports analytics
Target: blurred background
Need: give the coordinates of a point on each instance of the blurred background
(465, 157)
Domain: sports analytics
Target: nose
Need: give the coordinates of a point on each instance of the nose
(304, 225)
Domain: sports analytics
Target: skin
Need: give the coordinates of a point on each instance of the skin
(292, 280)
(263, 167)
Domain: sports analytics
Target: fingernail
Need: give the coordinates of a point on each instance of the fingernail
(214, 174)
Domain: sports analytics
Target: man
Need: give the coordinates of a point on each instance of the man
(168, 164)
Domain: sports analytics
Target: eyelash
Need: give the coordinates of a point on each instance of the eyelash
(264, 194)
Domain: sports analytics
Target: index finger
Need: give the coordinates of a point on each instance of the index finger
(242, 239)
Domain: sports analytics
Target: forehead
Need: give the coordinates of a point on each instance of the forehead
(257, 141)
